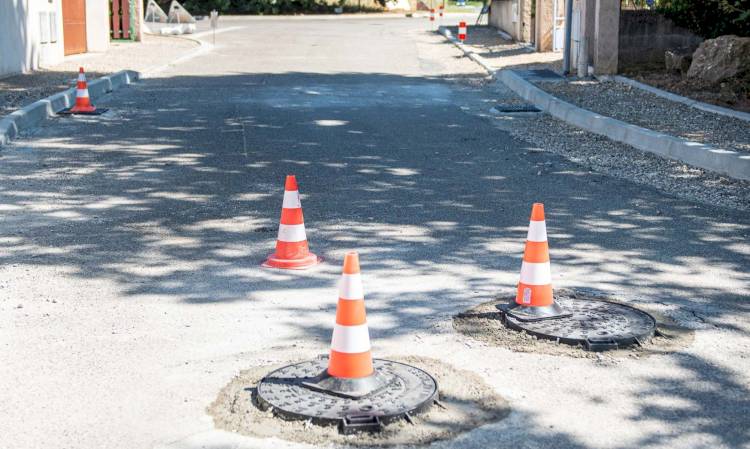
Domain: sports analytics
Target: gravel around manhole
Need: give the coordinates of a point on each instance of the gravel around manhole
(641, 108)
(466, 402)
(483, 323)
(546, 134)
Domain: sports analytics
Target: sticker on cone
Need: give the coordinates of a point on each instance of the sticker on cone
(534, 299)
(292, 251)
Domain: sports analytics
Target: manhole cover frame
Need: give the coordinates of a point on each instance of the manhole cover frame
(594, 344)
(367, 420)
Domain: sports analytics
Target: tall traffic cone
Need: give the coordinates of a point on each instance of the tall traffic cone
(83, 103)
(350, 370)
(292, 251)
(534, 299)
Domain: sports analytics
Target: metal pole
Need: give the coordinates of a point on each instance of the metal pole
(568, 29)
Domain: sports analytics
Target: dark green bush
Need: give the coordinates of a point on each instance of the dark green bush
(709, 18)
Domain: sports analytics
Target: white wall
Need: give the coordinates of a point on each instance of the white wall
(97, 25)
(21, 46)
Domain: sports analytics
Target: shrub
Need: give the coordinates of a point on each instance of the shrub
(709, 18)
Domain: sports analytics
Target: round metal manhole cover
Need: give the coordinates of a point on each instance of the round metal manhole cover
(409, 391)
(595, 325)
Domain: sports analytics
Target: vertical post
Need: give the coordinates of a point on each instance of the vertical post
(567, 42)
(607, 36)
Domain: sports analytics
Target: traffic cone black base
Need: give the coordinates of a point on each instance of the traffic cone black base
(349, 388)
(538, 313)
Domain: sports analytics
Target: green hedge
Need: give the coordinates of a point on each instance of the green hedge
(201, 7)
(709, 18)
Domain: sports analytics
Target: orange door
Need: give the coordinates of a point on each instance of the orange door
(74, 26)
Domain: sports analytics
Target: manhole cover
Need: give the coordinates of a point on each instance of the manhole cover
(539, 75)
(409, 391)
(501, 107)
(595, 325)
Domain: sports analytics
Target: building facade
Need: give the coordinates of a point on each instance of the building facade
(40, 33)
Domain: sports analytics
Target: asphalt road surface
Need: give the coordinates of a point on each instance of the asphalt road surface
(130, 287)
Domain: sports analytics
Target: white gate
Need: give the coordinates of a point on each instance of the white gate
(558, 25)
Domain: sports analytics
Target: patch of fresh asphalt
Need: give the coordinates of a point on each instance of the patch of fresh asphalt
(130, 292)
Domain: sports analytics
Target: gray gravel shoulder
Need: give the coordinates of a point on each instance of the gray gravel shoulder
(600, 154)
(641, 108)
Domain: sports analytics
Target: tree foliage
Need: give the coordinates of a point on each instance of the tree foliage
(709, 18)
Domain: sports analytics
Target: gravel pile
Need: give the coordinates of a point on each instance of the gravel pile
(20, 90)
(647, 110)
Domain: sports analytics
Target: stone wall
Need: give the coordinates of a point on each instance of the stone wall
(646, 35)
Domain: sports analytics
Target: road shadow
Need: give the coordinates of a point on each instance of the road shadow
(175, 196)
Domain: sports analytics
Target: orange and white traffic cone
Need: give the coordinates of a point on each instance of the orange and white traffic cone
(432, 15)
(83, 102)
(350, 370)
(350, 345)
(534, 299)
(440, 9)
(292, 251)
(462, 31)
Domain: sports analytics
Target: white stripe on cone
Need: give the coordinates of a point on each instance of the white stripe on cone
(291, 200)
(461, 30)
(537, 231)
(350, 286)
(82, 93)
(81, 77)
(350, 339)
(292, 233)
(536, 273)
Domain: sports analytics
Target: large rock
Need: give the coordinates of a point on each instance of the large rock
(721, 59)
(677, 61)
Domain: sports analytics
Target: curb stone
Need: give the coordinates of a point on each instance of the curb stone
(32, 115)
(731, 163)
(471, 54)
(727, 162)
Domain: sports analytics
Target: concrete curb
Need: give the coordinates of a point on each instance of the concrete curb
(472, 55)
(35, 113)
(731, 163)
(679, 98)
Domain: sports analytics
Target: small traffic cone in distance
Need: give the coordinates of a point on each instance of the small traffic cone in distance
(292, 251)
(350, 371)
(534, 298)
(462, 31)
(83, 102)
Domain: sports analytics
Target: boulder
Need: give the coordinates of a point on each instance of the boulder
(678, 61)
(721, 59)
